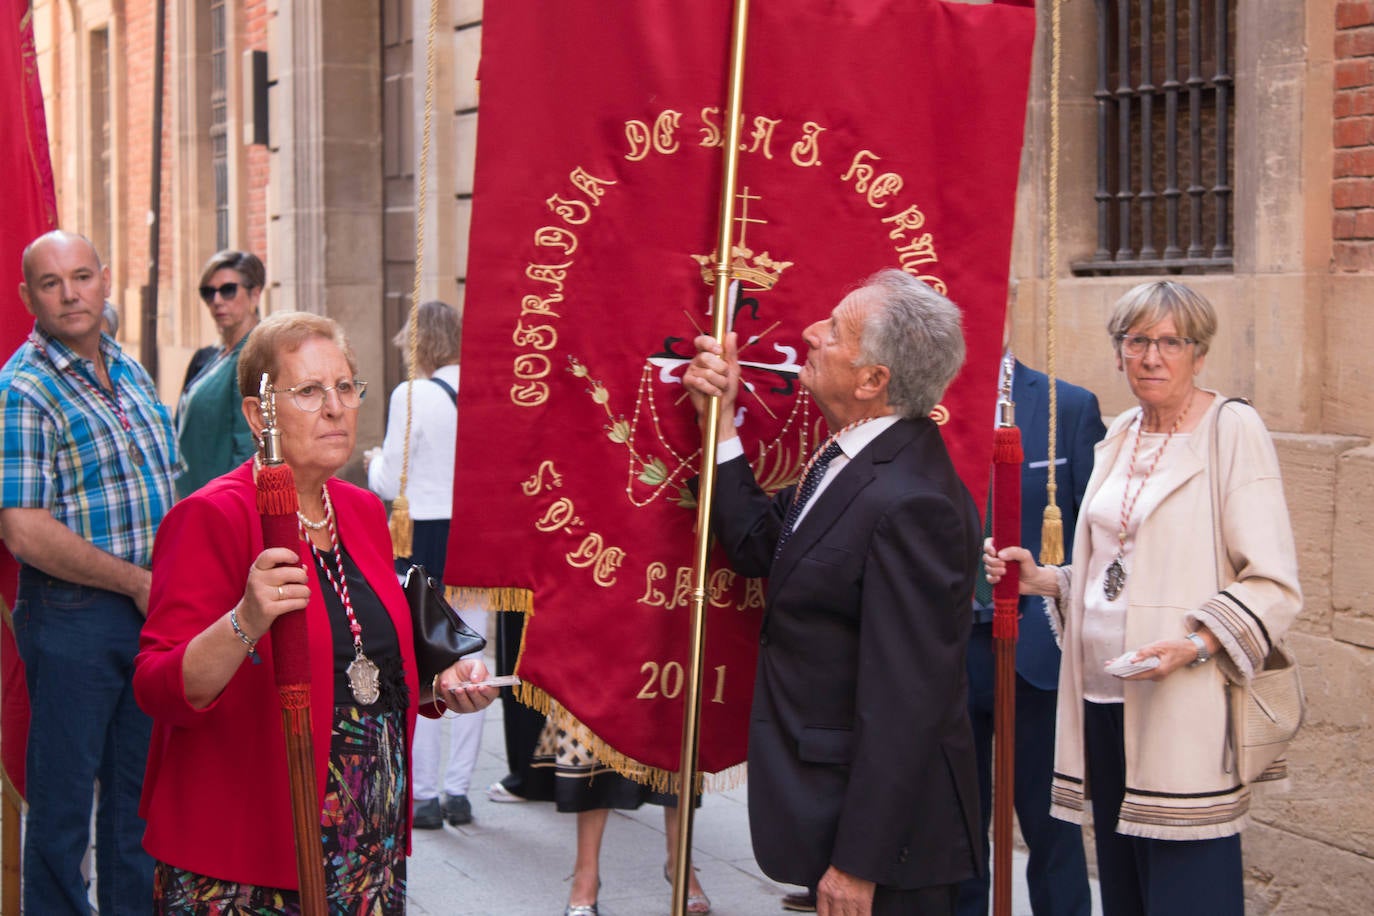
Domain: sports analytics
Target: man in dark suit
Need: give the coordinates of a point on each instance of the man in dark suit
(1056, 871)
(861, 758)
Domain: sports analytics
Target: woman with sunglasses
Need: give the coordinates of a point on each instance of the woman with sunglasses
(1153, 630)
(210, 427)
(216, 794)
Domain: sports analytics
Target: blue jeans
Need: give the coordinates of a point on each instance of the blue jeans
(78, 645)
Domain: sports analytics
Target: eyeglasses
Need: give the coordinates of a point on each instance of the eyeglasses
(227, 291)
(1136, 345)
(309, 396)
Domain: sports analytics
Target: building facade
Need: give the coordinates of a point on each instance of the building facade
(1228, 141)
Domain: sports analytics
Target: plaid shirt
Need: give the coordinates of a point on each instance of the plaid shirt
(63, 446)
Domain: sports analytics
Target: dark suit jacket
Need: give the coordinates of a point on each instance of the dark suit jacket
(1080, 428)
(860, 751)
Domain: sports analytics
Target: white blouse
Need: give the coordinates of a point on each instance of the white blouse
(1104, 620)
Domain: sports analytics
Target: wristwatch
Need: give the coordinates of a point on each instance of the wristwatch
(1203, 656)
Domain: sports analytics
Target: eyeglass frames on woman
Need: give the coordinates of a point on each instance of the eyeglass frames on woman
(1135, 346)
(309, 396)
(227, 291)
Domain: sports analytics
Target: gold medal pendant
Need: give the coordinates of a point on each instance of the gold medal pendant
(1114, 580)
(364, 679)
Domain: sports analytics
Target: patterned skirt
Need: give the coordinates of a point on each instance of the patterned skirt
(566, 772)
(362, 827)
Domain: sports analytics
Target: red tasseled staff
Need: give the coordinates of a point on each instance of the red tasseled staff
(1007, 456)
(277, 503)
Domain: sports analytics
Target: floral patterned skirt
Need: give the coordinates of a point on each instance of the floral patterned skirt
(362, 828)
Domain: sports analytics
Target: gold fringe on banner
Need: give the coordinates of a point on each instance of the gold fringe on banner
(657, 779)
(1052, 536)
(402, 528)
(518, 600)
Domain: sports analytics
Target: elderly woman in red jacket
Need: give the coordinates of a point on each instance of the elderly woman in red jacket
(216, 794)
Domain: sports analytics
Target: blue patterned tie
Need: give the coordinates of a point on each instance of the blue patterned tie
(807, 490)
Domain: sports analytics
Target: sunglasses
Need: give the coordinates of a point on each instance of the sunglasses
(227, 291)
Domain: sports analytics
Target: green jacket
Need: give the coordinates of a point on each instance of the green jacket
(213, 434)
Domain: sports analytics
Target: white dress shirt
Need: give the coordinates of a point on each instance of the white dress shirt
(851, 443)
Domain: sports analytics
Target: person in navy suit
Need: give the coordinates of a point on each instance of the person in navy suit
(861, 758)
(1056, 872)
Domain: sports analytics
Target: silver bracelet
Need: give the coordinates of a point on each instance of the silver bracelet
(252, 644)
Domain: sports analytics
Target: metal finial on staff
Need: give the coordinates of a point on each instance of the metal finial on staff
(1007, 455)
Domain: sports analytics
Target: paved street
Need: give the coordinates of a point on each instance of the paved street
(514, 859)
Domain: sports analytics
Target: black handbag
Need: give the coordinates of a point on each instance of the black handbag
(441, 637)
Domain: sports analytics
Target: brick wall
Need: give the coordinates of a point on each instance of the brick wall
(1353, 137)
(137, 117)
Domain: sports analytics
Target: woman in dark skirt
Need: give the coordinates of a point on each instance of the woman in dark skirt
(567, 772)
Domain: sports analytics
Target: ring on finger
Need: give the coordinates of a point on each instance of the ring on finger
(280, 595)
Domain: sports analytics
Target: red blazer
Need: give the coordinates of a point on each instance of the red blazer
(216, 796)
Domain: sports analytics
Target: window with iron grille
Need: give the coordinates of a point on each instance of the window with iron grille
(219, 126)
(1165, 122)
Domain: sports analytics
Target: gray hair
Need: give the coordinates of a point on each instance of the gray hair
(1151, 302)
(916, 333)
(111, 317)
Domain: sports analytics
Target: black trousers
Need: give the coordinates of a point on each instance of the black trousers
(1144, 877)
(1057, 869)
(926, 901)
(522, 724)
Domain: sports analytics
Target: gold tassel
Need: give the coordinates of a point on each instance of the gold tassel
(402, 530)
(1052, 537)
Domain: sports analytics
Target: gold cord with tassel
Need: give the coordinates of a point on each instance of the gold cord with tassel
(1052, 528)
(402, 528)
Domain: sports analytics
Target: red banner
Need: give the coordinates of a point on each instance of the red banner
(876, 133)
(26, 186)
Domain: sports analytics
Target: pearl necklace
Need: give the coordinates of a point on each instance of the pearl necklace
(328, 512)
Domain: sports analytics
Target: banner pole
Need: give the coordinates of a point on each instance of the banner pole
(691, 717)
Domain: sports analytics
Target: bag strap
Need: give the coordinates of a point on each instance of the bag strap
(448, 389)
(1229, 757)
(1223, 561)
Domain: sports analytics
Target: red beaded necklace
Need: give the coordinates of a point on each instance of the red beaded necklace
(364, 679)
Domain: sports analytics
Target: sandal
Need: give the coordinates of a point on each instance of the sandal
(583, 909)
(697, 904)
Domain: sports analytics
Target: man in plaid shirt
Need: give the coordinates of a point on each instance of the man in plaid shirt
(87, 463)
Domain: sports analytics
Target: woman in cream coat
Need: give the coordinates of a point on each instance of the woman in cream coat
(1149, 749)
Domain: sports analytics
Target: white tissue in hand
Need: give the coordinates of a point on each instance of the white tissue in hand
(1122, 666)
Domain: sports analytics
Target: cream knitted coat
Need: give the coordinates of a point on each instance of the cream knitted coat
(1179, 781)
